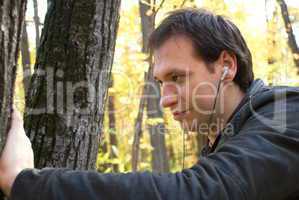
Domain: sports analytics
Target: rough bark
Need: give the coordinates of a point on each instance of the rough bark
(25, 60)
(154, 112)
(289, 30)
(69, 85)
(11, 20)
(12, 14)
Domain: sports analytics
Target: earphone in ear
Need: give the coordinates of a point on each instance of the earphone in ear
(225, 72)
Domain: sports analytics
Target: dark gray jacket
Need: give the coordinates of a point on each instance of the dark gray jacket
(257, 157)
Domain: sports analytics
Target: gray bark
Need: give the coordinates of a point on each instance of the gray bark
(69, 86)
(11, 20)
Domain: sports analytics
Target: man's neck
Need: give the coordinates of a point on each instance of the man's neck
(231, 98)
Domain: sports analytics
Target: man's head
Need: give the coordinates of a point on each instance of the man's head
(190, 49)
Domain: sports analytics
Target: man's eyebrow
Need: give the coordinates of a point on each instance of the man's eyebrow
(174, 71)
(177, 71)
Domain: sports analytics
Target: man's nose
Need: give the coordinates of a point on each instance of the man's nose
(168, 101)
(169, 96)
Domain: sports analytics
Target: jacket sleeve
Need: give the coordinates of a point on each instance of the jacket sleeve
(254, 165)
(258, 163)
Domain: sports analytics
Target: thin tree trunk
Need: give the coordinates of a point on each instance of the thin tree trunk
(138, 129)
(289, 30)
(69, 85)
(154, 112)
(25, 61)
(36, 23)
(157, 129)
(112, 128)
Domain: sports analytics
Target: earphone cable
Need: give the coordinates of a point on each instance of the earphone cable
(214, 110)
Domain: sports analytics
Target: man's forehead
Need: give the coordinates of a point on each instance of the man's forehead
(178, 45)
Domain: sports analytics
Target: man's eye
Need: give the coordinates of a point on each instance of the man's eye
(174, 78)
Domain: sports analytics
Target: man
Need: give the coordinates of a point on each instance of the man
(205, 70)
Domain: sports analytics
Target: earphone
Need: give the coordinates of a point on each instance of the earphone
(225, 72)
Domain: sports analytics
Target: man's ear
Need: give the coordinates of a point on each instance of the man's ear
(228, 60)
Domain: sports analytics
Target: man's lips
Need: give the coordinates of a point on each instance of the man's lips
(179, 114)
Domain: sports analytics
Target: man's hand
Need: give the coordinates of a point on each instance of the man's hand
(16, 155)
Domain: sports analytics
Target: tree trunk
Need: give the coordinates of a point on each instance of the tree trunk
(69, 86)
(112, 129)
(289, 30)
(36, 23)
(12, 15)
(25, 61)
(138, 129)
(154, 112)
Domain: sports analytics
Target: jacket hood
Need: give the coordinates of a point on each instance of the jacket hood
(260, 99)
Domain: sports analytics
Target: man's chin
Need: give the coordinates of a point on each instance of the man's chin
(189, 125)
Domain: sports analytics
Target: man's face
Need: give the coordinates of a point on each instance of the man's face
(188, 87)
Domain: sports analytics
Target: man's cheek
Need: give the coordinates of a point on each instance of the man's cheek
(202, 104)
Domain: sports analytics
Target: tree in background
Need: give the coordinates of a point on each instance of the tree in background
(289, 30)
(26, 63)
(69, 85)
(151, 92)
(36, 23)
(112, 129)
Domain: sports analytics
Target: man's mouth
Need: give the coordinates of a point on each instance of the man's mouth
(178, 115)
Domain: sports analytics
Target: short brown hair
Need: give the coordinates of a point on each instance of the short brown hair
(210, 35)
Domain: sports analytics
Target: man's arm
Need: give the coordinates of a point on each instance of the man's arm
(16, 155)
(258, 163)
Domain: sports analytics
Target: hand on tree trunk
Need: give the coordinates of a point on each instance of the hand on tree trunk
(17, 154)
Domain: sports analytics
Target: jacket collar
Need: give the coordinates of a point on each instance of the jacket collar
(234, 124)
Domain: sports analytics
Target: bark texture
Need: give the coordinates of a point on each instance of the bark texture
(11, 20)
(69, 85)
